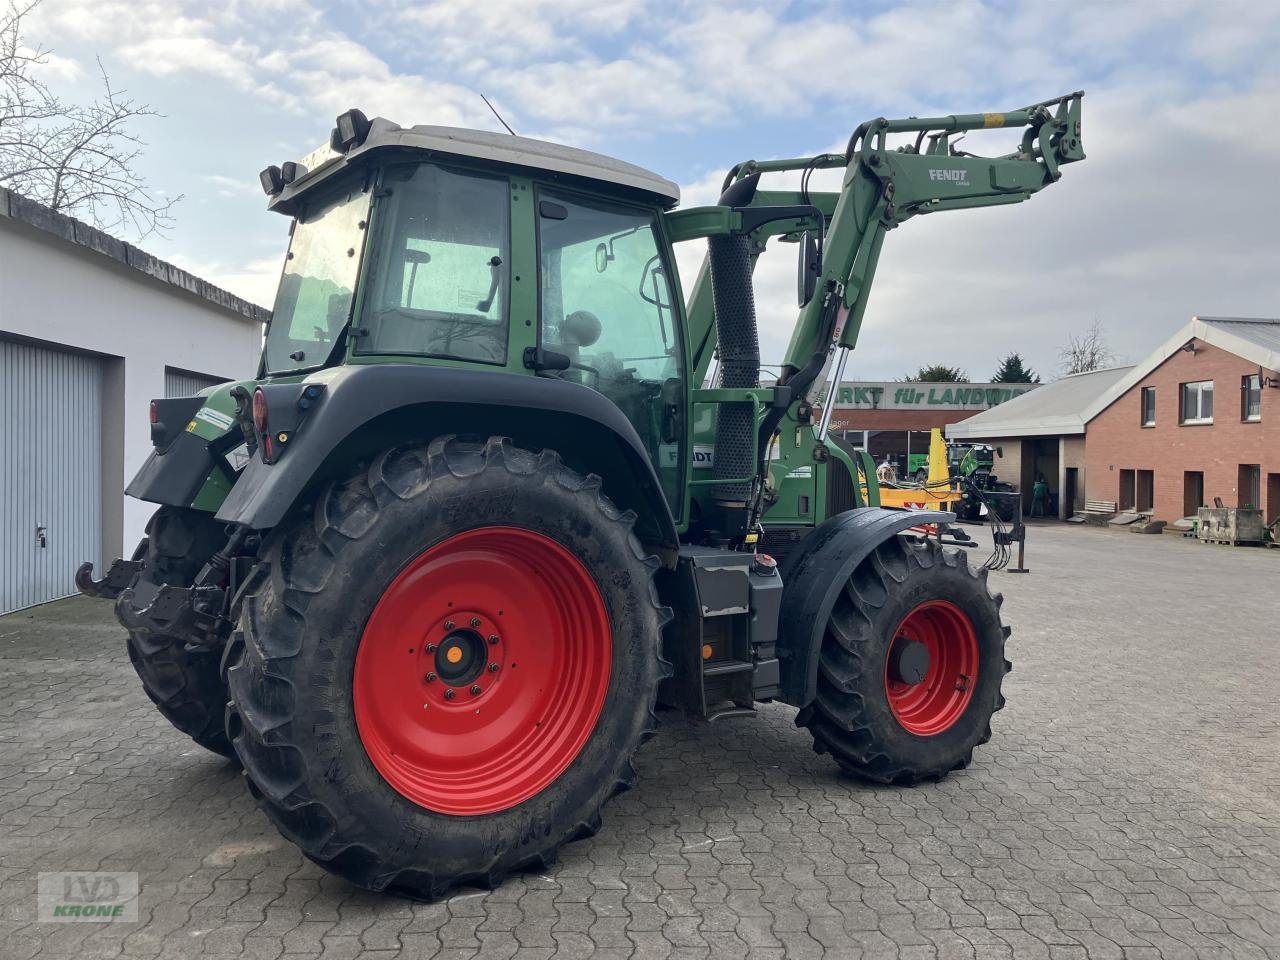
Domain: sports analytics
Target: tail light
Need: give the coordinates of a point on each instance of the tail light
(169, 416)
(261, 424)
(275, 412)
(260, 410)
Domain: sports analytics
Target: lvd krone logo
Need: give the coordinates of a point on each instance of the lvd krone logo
(88, 896)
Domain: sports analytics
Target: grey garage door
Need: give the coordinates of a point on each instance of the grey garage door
(50, 471)
(184, 383)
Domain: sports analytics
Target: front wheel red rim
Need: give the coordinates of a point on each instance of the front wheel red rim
(482, 671)
(932, 668)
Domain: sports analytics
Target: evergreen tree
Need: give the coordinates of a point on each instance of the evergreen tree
(1012, 370)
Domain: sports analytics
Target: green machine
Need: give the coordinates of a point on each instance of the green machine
(963, 460)
(428, 574)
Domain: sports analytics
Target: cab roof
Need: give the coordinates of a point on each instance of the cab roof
(484, 145)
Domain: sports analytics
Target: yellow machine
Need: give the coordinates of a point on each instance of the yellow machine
(940, 490)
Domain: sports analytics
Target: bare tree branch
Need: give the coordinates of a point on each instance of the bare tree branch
(1086, 352)
(77, 159)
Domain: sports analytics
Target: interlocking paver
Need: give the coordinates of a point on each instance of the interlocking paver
(1128, 806)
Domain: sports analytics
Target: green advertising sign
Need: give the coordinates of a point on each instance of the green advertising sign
(885, 395)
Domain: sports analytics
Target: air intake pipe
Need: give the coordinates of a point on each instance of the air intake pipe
(738, 346)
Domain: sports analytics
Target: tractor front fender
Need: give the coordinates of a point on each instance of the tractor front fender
(813, 577)
(368, 407)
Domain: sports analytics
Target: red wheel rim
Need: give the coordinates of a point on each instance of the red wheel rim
(482, 671)
(937, 700)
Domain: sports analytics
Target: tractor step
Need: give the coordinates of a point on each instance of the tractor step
(727, 667)
(724, 648)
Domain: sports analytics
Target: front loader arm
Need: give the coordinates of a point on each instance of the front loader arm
(883, 187)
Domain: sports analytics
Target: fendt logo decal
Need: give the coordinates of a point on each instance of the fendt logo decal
(959, 177)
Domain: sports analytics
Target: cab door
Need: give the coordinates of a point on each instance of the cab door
(607, 303)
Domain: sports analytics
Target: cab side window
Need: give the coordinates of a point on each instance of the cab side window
(440, 278)
(606, 303)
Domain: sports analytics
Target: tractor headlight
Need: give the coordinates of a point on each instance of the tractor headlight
(271, 180)
(291, 171)
(352, 127)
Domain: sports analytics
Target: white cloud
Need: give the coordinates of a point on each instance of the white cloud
(253, 280)
(479, 35)
(226, 186)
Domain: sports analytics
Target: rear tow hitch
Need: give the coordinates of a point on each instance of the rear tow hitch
(193, 612)
(119, 576)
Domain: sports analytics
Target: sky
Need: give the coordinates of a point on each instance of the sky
(1174, 213)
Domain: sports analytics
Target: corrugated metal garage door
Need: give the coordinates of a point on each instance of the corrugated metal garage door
(184, 383)
(50, 471)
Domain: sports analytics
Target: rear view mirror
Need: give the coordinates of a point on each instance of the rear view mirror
(809, 268)
(999, 451)
(602, 258)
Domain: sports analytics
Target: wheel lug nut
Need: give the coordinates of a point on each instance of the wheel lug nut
(475, 690)
(475, 621)
(493, 668)
(431, 678)
(449, 624)
(449, 694)
(493, 638)
(431, 648)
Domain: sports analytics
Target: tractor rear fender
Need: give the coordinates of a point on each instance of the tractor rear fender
(815, 574)
(366, 408)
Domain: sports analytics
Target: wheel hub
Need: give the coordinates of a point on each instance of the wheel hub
(463, 656)
(908, 661)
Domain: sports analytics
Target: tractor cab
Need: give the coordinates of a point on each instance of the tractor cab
(449, 247)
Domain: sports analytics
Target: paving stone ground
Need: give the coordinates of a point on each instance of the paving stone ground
(1128, 806)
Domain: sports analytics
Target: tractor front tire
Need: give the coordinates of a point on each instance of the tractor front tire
(443, 669)
(185, 685)
(911, 665)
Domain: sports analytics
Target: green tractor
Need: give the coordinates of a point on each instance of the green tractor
(971, 466)
(428, 574)
(963, 460)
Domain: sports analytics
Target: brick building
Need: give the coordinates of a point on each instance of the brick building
(1196, 420)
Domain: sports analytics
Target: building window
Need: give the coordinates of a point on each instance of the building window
(1197, 402)
(1148, 406)
(1251, 397)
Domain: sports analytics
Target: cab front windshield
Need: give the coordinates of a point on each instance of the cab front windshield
(314, 299)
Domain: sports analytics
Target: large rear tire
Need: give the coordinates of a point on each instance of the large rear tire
(442, 671)
(911, 665)
(185, 685)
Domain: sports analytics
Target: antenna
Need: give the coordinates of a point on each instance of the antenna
(497, 114)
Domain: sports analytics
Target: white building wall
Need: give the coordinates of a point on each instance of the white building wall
(69, 295)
